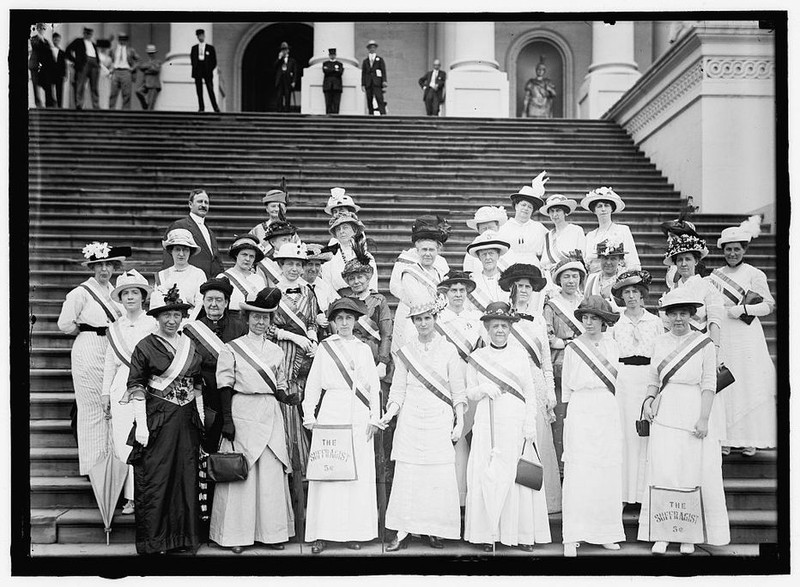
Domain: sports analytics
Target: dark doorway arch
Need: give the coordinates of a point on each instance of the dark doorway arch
(258, 64)
(528, 59)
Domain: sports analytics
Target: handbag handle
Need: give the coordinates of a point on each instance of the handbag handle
(219, 446)
(535, 449)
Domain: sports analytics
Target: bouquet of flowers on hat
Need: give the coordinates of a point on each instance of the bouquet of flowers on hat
(610, 246)
(97, 250)
(605, 191)
(643, 274)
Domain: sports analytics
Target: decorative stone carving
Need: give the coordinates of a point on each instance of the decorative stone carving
(728, 68)
(676, 90)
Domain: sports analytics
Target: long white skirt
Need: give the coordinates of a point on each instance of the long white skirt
(424, 500)
(88, 359)
(592, 491)
(679, 460)
(631, 391)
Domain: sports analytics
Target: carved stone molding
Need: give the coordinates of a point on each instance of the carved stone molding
(738, 69)
(676, 90)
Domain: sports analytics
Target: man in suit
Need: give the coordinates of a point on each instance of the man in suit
(332, 82)
(82, 52)
(123, 66)
(432, 84)
(208, 258)
(151, 83)
(59, 70)
(204, 61)
(285, 77)
(373, 78)
(41, 66)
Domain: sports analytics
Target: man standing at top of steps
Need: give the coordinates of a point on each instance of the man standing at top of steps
(207, 258)
(122, 72)
(204, 61)
(83, 53)
(285, 77)
(373, 79)
(432, 84)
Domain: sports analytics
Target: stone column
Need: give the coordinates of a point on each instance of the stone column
(341, 36)
(177, 85)
(475, 85)
(613, 70)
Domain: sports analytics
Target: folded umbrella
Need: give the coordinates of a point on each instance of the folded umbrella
(107, 477)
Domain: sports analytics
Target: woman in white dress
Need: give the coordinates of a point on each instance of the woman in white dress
(417, 272)
(531, 334)
(683, 451)
(485, 218)
(565, 236)
(634, 333)
(428, 397)
(498, 508)
(603, 202)
(87, 312)
(750, 400)
(592, 491)
(343, 389)
(526, 235)
(180, 245)
(131, 292)
(246, 284)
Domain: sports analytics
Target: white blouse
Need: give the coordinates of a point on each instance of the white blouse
(577, 375)
(615, 232)
(80, 307)
(700, 369)
(526, 240)
(635, 338)
(188, 280)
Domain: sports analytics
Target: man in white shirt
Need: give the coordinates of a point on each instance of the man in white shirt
(208, 258)
(204, 61)
(123, 65)
(432, 84)
(83, 53)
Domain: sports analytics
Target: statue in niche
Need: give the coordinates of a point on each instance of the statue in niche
(539, 94)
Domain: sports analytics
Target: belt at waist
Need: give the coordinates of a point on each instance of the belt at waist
(635, 360)
(99, 330)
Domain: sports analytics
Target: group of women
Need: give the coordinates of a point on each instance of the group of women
(312, 354)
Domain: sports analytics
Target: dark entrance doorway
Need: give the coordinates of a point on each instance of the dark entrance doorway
(258, 64)
(527, 61)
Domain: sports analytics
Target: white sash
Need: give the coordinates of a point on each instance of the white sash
(431, 380)
(336, 350)
(415, 269)
(463, 344)
(680, 356)
(551, 249)
(598, 363)
(266, 371)
(180, 362)
(204, 336)
(500, 376)
(101, 297)
(291, 315)
(269, 271)
(727, 286)
(530, 342)
(119, 345)
(479, 299)
(369, 326)
(566, 315)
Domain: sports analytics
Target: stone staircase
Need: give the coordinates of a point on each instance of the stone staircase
(122, 177)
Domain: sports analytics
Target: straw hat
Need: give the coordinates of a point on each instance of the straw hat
(559, 200)
(487, 240)
(128, 279)
(488, 214)
(265, 301)
(423, 308)
(533, 193)
(602, 194)
(181, 236)
(241, 243)
(684, 244)
(522, 271)
(744, 233)
(344, 218)
(274, 195)
(596, 306)
(679, 297)
(640, 279)
(98, 252)
(291, 251)
(340, 198)
(573, 261)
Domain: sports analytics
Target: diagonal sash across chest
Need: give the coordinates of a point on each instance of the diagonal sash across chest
(369, 326)
(529, 341)
(181, 361)
(416, 271)
(727, 286)
(264, 370)
(270, 272)
(118, 344)
(551, 249)
(680, 356)
(565, 316)
(111, 311)
(479, 299)
(338, 353)
(463, 344)
(430, 379)
(204, 336)
(597, 362)
(285, 309)
(499, 375)
(244, 290)
(698, 324)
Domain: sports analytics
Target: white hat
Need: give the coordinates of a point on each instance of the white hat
(534, 193)
(559, 200)
(488, 214)
(181, 236)
(607, 194)
(744, 233)
(487, 240)
(680, 296)
(340, 198)
(131, 278)
(291, 251)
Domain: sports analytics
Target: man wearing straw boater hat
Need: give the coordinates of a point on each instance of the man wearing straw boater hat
(207, 258)
(150, 86)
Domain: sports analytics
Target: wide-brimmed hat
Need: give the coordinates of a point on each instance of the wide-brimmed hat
(279, 228)
(533, 193)
(351, 305)
(499, 311)
(677, 227)
(291, 251)
(638, 278)
(488, 240)
(603, 193)
(559, 200)
(274, 195)
(264, 301)
(574, 261)
(423, 308)
(488, 214)
(172, 301)
(744, 233)
(371, 42)
(344, 218)
(680, 297)
(284, 45)
(245, 241)
(355, 266)
(608, 248)
(181, 236)
(318, 253)
(128, 279)
(522, 271)
(684, 244)
(340, 198)
(454, 277)
(430, 227)
(597, 306)
(98, 252)
(122, 36)
(218, 284)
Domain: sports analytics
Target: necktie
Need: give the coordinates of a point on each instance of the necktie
(293, 290)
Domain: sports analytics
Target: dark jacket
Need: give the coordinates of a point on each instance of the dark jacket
(60, 70)
(41, 58)
(373, 75)
(424, 83)
(207, 260)
(151, 68)
(332, 72)
(203, 69)
(130, 53)
(291, 70)
(76, 52)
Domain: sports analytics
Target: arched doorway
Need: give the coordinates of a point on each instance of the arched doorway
(258, 64)
(527, 60)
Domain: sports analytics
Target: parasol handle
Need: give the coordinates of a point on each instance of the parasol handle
(108, 536)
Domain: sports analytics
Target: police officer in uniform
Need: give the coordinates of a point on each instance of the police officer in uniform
(332, 82)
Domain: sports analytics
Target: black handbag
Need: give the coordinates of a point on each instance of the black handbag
(529, 474)
(724, 378)
(643, 424)
(750, 298)
(227, 467)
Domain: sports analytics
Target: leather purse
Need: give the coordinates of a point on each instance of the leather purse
(643, 424)
(750, 297)
(530, 474)
(227, 467)
(724, 378)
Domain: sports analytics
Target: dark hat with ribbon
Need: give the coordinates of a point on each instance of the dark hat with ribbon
(318, 253)
(499, 311)
(245, 241)
(430, 227)
(596, 306)
(98, 252)
(354, 266)
(637, 278)
(279, 228)
(274, 195)
(217, 284)
(455, 277)
(351, 305)
(522, 271)
(172, 301)
(677, 227)
(265, 301)
(533, 193)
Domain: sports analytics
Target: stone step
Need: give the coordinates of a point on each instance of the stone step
(51, 433)
(62, 492)
(751, 494)
(51, 405)
(762, 465)
(54, 461)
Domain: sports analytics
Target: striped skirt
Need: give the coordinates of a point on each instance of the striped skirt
(88, 357)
